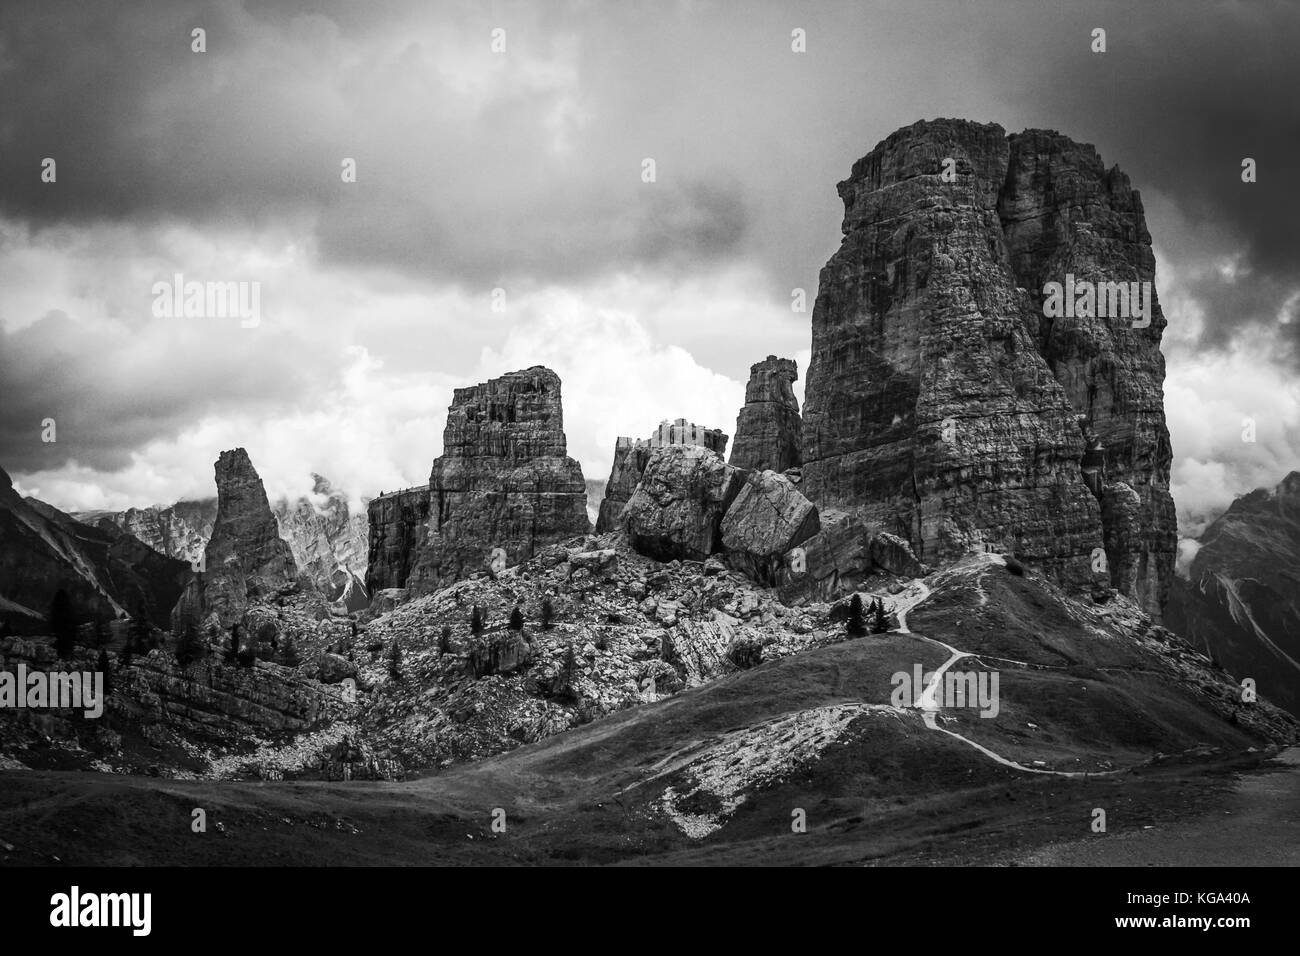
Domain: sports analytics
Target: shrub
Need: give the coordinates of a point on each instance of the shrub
(444, 640)
(548, 613)
(395, 661)
(476, 622)
(1014, 566)
(516, 619)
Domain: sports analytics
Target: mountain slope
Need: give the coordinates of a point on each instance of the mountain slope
(1241, 600)
(103, 571)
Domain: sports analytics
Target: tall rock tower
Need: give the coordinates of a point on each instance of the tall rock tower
(246, 561)
(947, 403)
(504, 480)
(768, 429)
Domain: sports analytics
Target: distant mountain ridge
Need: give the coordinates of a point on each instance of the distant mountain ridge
(327, 540)
(1240, 602)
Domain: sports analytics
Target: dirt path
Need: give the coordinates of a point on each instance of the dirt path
(917, 592)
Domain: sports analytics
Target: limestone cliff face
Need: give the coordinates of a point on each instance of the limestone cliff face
(768, 429)
(631, 458)
(504, 481)
(942, 404)
(398, 524)
(1063, 213)
(329, 540)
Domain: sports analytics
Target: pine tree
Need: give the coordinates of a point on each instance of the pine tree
(188, 646)
(105, 667)
(476, 623)
(516, 619)
(139, 634)
(856, 625)
(444, 640)
(395, 661)
(548, 613)
(63, 623)
(879, 623)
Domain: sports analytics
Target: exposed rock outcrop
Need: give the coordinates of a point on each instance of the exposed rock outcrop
(631, 457)
(943, 405)
(246, 560)
(504, 481)
(768, 429)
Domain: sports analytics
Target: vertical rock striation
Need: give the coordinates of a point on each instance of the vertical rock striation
(631, 458)
(1064, 214)
(504, 480)
(768, 429)
(943, 406)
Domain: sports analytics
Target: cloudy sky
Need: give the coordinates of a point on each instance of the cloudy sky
(521, 171)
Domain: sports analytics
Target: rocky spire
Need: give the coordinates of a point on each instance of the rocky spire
(768, 427)
(245, 560)
(946, 403)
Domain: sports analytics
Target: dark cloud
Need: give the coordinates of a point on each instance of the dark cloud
(111, 392)
(524, 170)
(1182, 95)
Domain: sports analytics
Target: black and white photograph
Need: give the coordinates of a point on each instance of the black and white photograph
(515, 433)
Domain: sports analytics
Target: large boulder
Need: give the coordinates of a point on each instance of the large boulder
(631, 457)
(333, 669)
(677, 509)
(891, 553)
(834, 561)
(768, 518)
